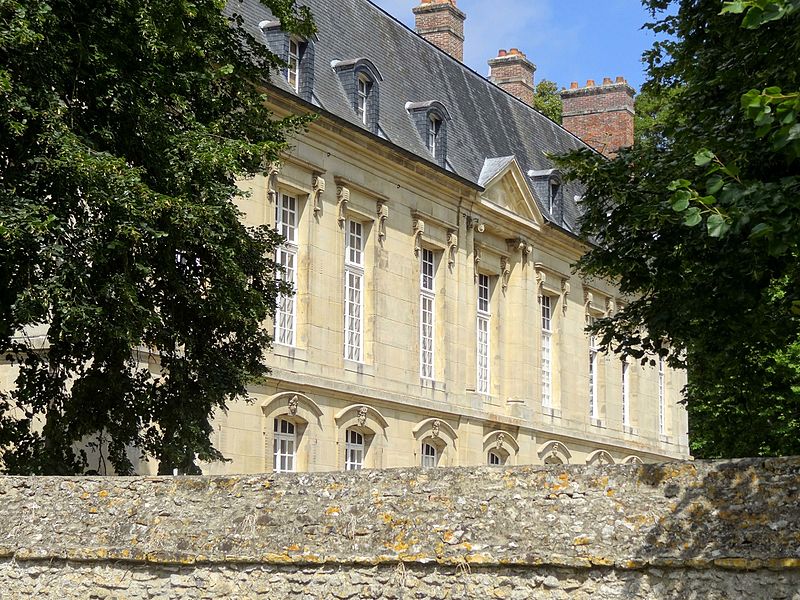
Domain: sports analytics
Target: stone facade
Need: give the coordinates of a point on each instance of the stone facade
(602, 116)
(725, 530)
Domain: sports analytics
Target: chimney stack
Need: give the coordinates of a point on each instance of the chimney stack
(442, 24)
(513, 72)
(601, 115)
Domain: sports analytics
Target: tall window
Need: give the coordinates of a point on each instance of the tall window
(429, 455)
(286, 257)
(293, 70)
(547, 340)
(553, 195)
(427, 298)
(662, 399)
(354, 451)
(483, 341)
(434, 126)
(361, 98)
(626, 395)
(284, 446)
(594, 409)
(354, 292)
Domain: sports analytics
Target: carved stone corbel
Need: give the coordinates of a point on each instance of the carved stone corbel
(383, 214)
(522, 246)
(501, 438)
(477, 258)
(610, 307)
(342, 198)
(541, 277)
(272, 181)
(317, 187)
(475, 224)
(588, 297)
(505, 271)
(565, 288)
(419, 229)
(452, 247)
(293, 402)
(435, 428)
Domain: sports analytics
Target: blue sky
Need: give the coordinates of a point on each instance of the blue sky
(568, 40)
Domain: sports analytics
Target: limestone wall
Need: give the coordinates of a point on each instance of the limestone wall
(680, 530)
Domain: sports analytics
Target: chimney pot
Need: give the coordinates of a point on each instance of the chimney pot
(573, 85)
(606, 80)
(621, 79)
(590, 83)
(513, 72)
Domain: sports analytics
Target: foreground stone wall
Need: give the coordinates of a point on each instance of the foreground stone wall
(679, 530)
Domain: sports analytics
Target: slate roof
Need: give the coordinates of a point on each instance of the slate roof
(486, 122)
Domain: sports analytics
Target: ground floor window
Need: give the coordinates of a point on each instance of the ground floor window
(284, 446)
(354, 451)
(494, 459)
(429, 455)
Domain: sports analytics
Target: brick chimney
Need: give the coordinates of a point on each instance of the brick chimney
(601, 115)
(513, 72)
(442, 24)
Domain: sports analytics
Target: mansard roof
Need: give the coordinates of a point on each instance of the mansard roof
(485, 121)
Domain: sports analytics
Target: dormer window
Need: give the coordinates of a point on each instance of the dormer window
(293, 61)
(430, 119)
(297, 54)
(549, 192)
(360, 81)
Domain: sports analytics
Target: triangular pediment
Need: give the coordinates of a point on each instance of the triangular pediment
(506, 186)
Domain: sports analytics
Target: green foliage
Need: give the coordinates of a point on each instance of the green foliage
(547, 100)
(123, 128)
(720, 150)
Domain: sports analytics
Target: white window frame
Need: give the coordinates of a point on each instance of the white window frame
(293, 68)
(427, 314)
(626, 394)
(429, 455)
(354, 291)
(354, 450)
(493, 459)
(434, 127)
(286, 215)
(362, 97)
(483, 339)
(553, 189)
(547, 351)
(662, 398)
(594, 404)
(284, 446)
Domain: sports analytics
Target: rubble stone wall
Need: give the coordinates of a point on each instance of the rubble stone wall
(709, 530)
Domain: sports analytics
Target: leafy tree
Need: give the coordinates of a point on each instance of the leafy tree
(123, 127)
(698, 221)
(547, 100)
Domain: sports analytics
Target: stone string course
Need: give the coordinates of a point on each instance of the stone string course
(710, 530)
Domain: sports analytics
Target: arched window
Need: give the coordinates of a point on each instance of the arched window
(554, 452)
(429, 454)
(291, 422)
(493, 459)
(436, 442)
(361, 437)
